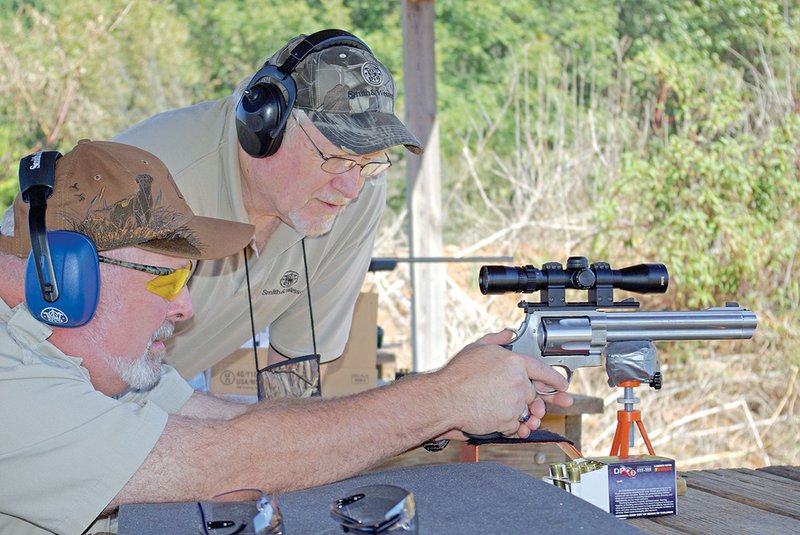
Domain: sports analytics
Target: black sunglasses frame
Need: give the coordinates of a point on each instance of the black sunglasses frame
(153, 270)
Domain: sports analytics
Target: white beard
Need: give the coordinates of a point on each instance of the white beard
(319, 226)
(145, 372)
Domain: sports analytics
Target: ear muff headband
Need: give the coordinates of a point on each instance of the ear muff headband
(270, 95)
(37, 174)
(320, 41)
(62, 278)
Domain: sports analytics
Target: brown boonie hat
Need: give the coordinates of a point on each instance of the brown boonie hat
(120, 196)
(349, 96)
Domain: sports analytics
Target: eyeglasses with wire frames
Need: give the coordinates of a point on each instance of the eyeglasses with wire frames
(168, 282)
(337, 165)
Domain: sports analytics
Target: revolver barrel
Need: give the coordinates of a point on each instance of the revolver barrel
(585, 333)
(718, 323)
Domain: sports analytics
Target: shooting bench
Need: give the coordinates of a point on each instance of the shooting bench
(560, 422)
(531, 458)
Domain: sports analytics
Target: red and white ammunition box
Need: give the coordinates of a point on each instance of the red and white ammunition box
(627, 487)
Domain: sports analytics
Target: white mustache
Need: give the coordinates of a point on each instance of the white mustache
(339, 201)
(163, 332)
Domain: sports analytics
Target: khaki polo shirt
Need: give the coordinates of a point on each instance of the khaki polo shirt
(67, 449)
(199, 146)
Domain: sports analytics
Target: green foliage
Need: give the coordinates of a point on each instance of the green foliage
(85, 69)
(721, 214)
(714, 193)
(479, 58)
(673, 124)
(718, 29)
(234, 37)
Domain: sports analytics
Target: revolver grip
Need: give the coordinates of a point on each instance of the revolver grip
(496, 434)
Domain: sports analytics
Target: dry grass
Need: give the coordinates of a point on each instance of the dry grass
(724, 404)
(729, 404)
(716, 411)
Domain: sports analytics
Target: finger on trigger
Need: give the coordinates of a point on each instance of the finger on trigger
(539, 371)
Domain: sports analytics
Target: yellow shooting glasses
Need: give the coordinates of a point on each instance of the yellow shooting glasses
(168, 283)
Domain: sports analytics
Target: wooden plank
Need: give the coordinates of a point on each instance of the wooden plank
(533, 459)
(756, 489)
(703, 513)
(556, 424)
(573, 431)
(582, 405)
(648, 525)
(789, 472)
(419, 457)
(572, 415)
(423, 188)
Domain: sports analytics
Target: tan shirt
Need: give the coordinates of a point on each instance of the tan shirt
(199, 146)
(67, 449)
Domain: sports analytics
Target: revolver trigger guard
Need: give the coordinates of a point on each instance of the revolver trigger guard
(554, 392)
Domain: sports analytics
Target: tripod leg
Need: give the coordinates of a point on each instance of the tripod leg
(620, 444)
(640, 425)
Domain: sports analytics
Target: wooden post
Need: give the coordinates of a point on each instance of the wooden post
(423, 187)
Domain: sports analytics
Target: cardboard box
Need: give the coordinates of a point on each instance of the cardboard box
(356, 370)
(353, 372)
(236, 373)
(627, 487)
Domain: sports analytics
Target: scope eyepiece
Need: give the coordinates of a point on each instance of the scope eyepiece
(505, 279)
(579, 275)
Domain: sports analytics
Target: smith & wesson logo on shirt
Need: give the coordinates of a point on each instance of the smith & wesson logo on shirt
(287, 282)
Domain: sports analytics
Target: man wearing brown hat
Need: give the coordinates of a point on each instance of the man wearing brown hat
(83, 406)
(298, 150)
(91, 419)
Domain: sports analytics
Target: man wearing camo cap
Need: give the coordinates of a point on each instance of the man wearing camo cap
(315, 202)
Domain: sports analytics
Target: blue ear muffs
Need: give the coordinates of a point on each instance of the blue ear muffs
(62, 278)
(77, 272)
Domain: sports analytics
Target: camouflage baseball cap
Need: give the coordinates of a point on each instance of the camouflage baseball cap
(121, 196)
(349, 96)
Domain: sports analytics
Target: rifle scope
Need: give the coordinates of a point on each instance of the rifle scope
(579, 275)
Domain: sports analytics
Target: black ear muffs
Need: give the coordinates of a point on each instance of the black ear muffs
(269, 97)
(263, 111)
(62, 278)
